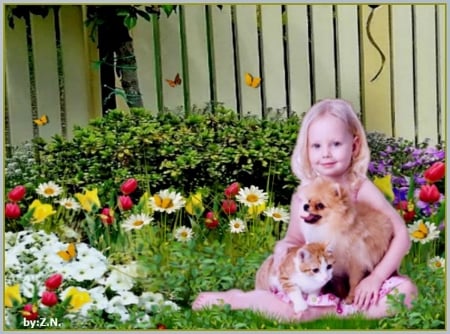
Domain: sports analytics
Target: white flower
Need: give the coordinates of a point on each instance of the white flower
(69, 203)
(167, 201)
(423, 232)
(183, 234)
(237, 226)
(277, 214)
(49, 189)
(136, 221)
(252, 196)
(437, 263)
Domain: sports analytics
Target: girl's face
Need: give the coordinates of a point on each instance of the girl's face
(330, 146)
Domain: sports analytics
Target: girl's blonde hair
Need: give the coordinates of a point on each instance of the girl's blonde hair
(344, 111)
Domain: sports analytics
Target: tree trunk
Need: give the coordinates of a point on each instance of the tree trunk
(127, 67)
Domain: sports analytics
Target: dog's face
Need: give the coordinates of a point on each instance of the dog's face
(324, 198)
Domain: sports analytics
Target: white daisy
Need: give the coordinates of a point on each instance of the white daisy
(183, 234)
(437, 263)
(252, 196)
(49, 189)
(237, 225)
(136, 221)
(423, 232)
(167, 201)
(277, 214)
(69, 203)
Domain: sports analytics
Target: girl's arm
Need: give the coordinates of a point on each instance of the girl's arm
(398, 247)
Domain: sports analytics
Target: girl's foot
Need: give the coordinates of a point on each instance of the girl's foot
(208, 299)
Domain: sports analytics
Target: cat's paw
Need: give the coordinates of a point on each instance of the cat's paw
(300, 307)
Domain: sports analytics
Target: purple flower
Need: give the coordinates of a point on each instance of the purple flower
(400, 194)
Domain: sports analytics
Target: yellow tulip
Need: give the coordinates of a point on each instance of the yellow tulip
(88, 200)
(78, 298)
(194, 204)
(385, 185)
(12, 293)
(41, 211)
(256, 209)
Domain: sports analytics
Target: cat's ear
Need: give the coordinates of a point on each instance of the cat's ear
(328, 247)
(303, 254)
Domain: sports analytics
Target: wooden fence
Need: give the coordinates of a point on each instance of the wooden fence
(388, 60)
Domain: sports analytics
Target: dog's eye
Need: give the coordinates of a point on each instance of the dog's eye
(320, 206)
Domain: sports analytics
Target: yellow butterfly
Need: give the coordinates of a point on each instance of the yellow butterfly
(252, 81)
(421, 232)
(41, 120)
(163, 202)
(69, 254)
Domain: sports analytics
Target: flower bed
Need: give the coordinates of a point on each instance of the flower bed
(124, 256)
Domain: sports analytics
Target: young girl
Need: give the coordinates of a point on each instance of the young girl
(332, 143)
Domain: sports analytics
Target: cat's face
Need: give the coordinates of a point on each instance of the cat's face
(316, 261)
(324, 199)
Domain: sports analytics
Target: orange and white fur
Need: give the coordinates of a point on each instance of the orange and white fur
(304, 270)
(358, 234)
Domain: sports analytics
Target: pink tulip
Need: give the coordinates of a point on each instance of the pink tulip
(49, 298)
(12, 211)
(211, 220)
(229, 206)
(435, 172)
(54, 282)
(128, 186)
(17, 193)
(30, 312)
(429, 193)
(107, 216)
(125, 203)
(232, 190)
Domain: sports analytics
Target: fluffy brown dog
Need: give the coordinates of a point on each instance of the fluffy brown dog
(358, 235)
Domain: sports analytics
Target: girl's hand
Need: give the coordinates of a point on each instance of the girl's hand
(366, 292)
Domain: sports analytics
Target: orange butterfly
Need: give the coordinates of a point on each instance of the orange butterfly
(69, 254)
(174, 82)
(252, 81)
(163, 202)
(41, 120)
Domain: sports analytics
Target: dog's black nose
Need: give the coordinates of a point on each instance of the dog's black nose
(306, 207)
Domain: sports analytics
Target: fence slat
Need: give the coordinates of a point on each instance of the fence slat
(46, 73)
(77, 80)
(18, 82)
(377, 95)
(248, 56)
(298, 55)
(323, 51)
(171, 60)
(144, 49)
(273, 55)
(224, 59)
(402, 70)
(197, 49)
(425, 48)
(348, 54)
(442, 47)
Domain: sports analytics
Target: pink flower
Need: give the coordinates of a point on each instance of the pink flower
(211, 220)
(125, 203)
(17, 193)
(128, 186)
(12, 211)
(30, 312)
(49, 298)
(229, 206)
(429, 193)
(107, 216)
(232, 190)
(54, 282)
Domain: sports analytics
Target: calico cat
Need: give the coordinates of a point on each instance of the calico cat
(304, 270)
(358, 234)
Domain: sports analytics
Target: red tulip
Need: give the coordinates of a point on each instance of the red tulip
(107, 216)
(17, 193)
(211, 220)
(30, 312)
(54, 282)
(128, 186)
(229, 206)
(125, 203)
(429, 193)
(161, 326)
(12, 211)
(435, 172)
(49, 298)
(406, 210)
(232, 190)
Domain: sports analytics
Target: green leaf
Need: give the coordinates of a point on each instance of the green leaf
(168, 9)
(130, 21)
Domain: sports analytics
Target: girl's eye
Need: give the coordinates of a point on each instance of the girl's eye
(336, 143)
(315, 145)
